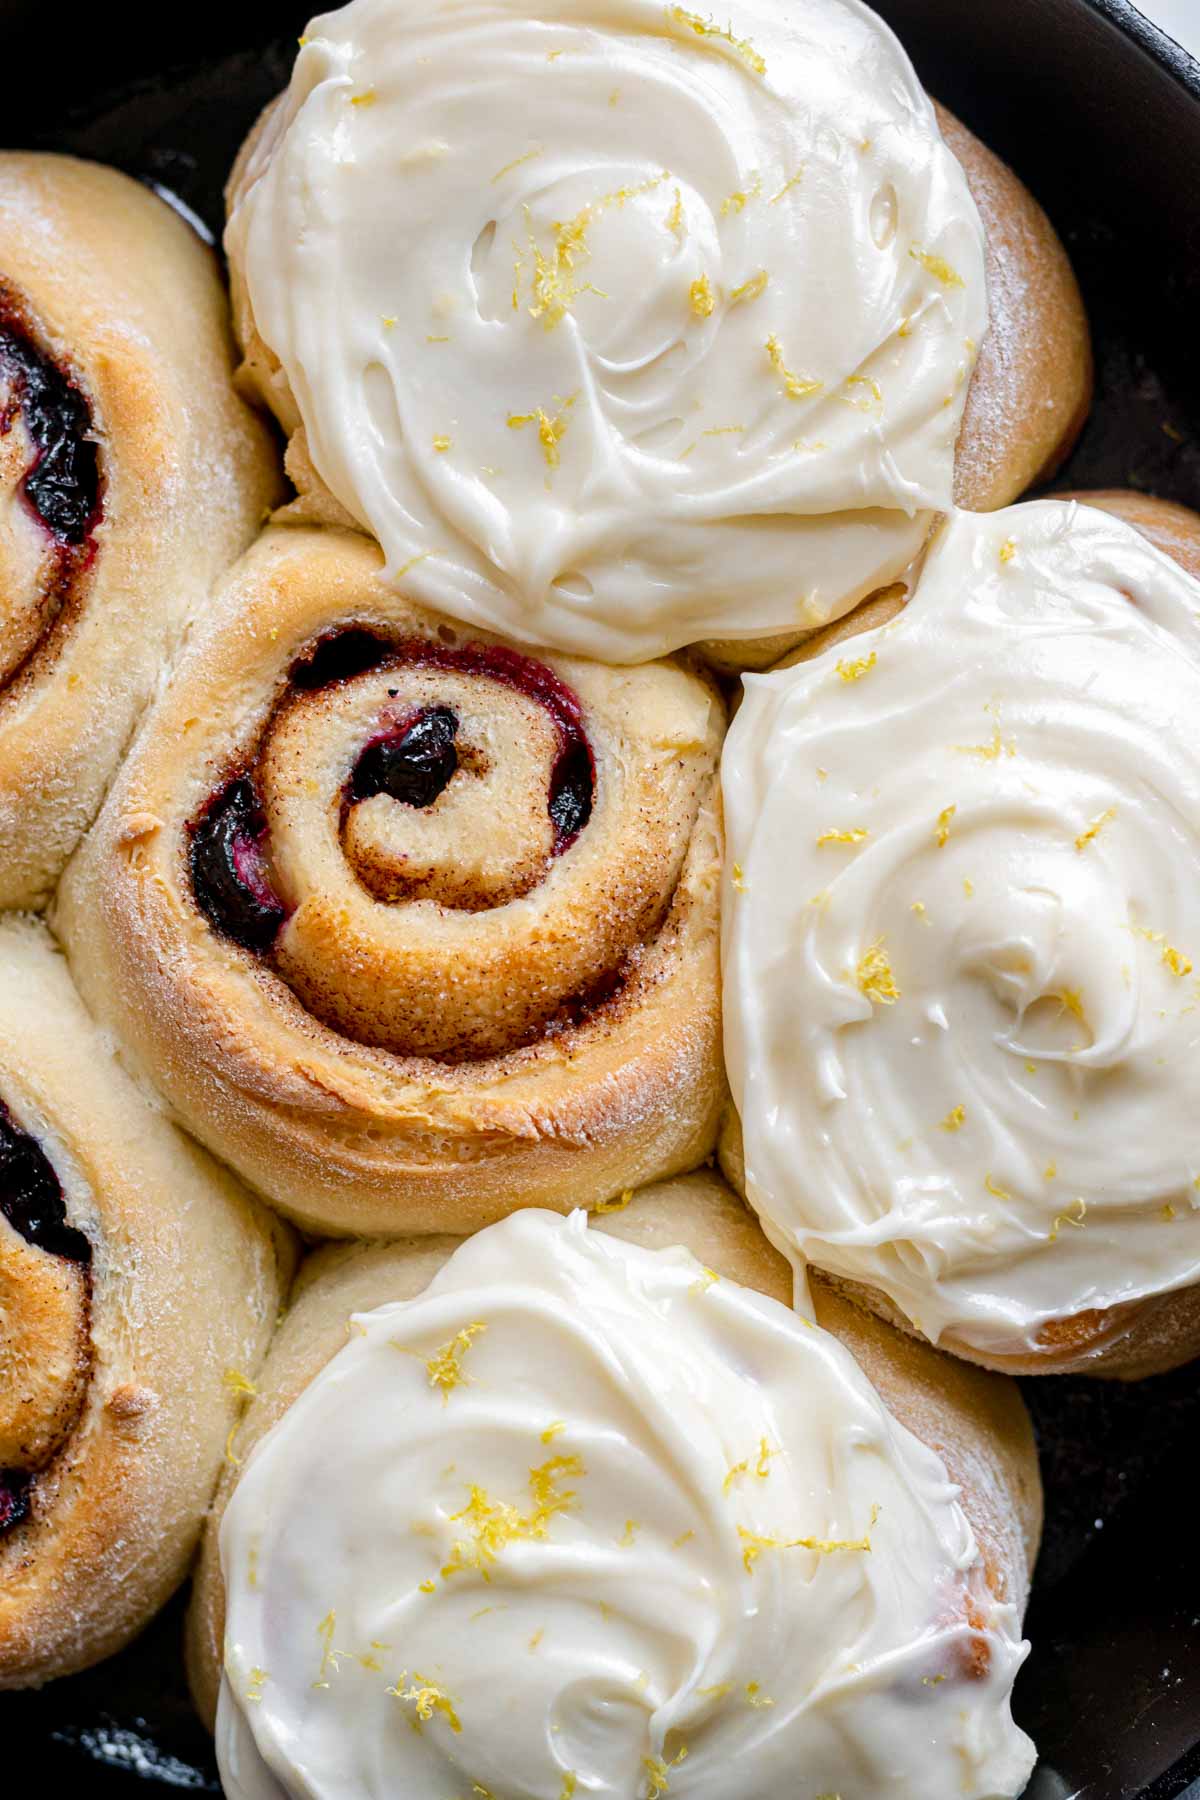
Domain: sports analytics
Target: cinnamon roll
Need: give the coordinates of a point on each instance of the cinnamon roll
(139, 1287)
(960, 994)
(130, 476)
(641, 329)
(605, 1516)
(411, 927)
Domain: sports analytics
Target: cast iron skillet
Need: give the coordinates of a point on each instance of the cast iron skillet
(1101, 115)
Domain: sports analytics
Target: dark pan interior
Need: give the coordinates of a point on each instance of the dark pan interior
(1101, 115)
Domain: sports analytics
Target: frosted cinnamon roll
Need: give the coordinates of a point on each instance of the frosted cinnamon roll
(638, 328)
(139, 1288)
(608, 1518)
(961, 923)
(411, 927)
(130, 476)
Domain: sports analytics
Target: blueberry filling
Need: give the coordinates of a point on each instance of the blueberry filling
(413, 764)
(15, 1485)
(31, 1198)
(63, 484)
(229, 870)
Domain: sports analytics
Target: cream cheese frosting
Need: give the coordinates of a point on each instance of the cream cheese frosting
(616, 326)
(584, 1519)
(961, 912)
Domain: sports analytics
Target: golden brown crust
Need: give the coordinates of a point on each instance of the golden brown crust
(1032, 386)
(346, 1135)
(976, 1422)
(117, 289)
(1171, 528)
(125, 1432)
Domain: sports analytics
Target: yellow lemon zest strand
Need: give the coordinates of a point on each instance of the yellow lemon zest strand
(516, 162)
(552, 1431)
(753, 1545)
(442, 444)
(874, 975)
(617, 1205)
(765, 1453)
(1175, 960)
(937, 266)
(367, 99)
(428, 1699)
(750, 290)
(701, 297)
(796, 387)
(968, 886)
(494, 1524)
(239, 1384)
(717, 1692)
(537, 1637)
(864, 402)
(738, 877)
(741, 1468)
(853, 835)
(855, 670)
(685, 1537)
(954, 1119)
(329, 1655)
(657, 1772)
(1168, 1212)
(427, 1587)
(258, 1679)
(704, 28)
(703, 1282)
(943, 824)
(550, 431)
(990, 752)
(1097, 825)
(1008, 550)
(755, 1695)
(676, 222)
(993, 1187)
(445, 1365)
(787, 187)
(1075, 1215)
(631, 1530)
(570, 1782)
(1070, 1000)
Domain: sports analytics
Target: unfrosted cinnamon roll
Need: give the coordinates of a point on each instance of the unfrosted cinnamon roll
(139, 1287)
(411, 927)
(130, 475)
(565, 1511)
(961, 927)
(638, 328)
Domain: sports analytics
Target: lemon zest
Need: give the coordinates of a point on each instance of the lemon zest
(750, 290)
(755, 1695)
(855, 670)
(704, 28)
(1097, 825)
(796, 387)
(550, 431)
(657, 1771)
(701, 297)
(613, 1206)
(516, 162)
(853, 835)
(445, 1365)
(943, 824)
(874, 975)
(937, 266)
(954, 1119)
(787, 186)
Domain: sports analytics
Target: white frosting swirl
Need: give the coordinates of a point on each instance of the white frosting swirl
(634, 328)
(554, 1562)
(961, 1011)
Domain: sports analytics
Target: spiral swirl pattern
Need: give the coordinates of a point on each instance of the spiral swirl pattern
(50, 489)
(133, 1274)
(447, 889)
(961, 1002)
(599, 1522)
(634, 327)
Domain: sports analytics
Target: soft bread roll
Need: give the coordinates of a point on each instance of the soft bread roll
(411, 928)
(974, 1421)
(1127, 1341)
(130, 476)
(139, 1287)
(740, 511)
